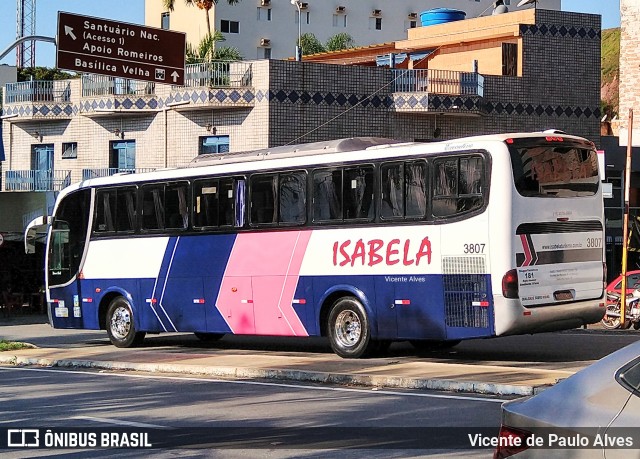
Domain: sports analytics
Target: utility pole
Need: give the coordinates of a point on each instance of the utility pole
(625, 223)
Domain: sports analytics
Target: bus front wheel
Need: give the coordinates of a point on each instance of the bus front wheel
(348, 329)
(120, 325)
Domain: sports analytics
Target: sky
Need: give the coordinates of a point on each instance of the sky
(133, 11)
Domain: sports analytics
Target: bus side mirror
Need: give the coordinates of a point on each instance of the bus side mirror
(36, 226)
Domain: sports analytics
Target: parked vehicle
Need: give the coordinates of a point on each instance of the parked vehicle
(611, 319)
(580, 416)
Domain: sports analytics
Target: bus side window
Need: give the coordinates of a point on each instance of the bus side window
(227, 200)
(416, 189)
(105, 210)
(445, 188)
(206, 197)
(358, 192)
(327, 195)
(392, 199)
(176, 208)
(263, 199)
(293, 198)
(457, 185)
(126, 209)
(153, 207)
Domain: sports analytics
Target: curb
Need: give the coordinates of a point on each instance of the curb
(288, 375)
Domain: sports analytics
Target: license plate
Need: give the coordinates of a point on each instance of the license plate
(563, 296)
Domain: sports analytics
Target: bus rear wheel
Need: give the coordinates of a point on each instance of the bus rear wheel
(348, 329)
(120, 324)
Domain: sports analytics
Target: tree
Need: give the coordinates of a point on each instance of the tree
(205, 5)
(44, 74)
(340, 41)
(310, 44)
(206, 51)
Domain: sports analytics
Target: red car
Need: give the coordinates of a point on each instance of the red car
(633, 282)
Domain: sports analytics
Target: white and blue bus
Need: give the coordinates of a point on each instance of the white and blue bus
(365, 241)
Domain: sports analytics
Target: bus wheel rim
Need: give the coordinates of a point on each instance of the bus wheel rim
(348, 328)
(121, 323)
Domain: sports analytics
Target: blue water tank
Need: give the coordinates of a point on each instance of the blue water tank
(440, 16)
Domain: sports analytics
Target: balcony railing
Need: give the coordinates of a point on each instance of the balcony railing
(98, 85)
(36, 180)
(37, 91)
(218, 74)
(438, 82)
(108, 171)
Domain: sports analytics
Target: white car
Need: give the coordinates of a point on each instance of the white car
(594, 413)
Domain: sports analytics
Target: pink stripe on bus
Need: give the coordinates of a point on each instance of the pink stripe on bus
(260, 280)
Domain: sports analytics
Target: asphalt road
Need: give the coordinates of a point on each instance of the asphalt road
(262, 419)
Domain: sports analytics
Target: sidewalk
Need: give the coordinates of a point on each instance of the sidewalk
(324, 368)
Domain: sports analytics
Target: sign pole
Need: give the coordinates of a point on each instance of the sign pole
(625, 224)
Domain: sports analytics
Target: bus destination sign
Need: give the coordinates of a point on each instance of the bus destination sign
(94, 45)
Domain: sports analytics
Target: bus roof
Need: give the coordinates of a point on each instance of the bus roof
(353, 145)
(288, 151)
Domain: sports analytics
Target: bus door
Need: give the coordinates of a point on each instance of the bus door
(67, 241)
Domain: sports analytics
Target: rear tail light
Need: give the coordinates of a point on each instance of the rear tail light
(604, 275)
(510, 284)
(511, 441)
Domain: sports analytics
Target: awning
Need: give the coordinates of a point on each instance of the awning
(386, 60)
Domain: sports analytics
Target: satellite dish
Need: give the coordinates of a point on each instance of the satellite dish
(527, 2)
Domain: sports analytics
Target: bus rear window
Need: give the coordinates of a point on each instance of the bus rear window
(562, 169)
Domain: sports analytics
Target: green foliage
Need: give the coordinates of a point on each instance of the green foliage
(206, 51)
(610, 54)
(339, 42)
(12, 346)
(44, 74)
(310, 44)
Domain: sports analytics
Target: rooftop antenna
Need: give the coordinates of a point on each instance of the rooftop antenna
(527, 2)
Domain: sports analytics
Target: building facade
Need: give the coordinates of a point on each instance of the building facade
(269, 28)
(60, 132)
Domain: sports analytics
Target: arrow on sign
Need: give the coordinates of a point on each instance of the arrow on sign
(69, 31)
(175, 76)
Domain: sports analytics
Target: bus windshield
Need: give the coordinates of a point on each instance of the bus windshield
(564, 169)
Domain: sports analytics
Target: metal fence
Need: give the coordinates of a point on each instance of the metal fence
(438, 82)
(98, 85)
(108, 171)
(218, 74)
(36, 180)
(37, 91)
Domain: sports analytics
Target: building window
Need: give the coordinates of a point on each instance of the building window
(340, 20)
(264, 14)
(70, 150)
(164, 21)
(214, 144)
(375, 23)
(509, 59)
(378, 23)
(264, 53)
(123, 155)
(227, 26)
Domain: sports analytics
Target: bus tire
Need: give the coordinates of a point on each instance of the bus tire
(120, 324)
(348, 329)
(208, 337)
